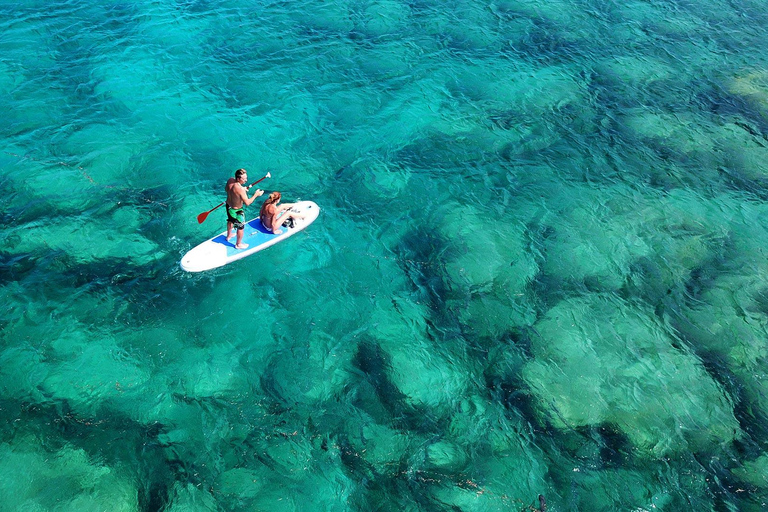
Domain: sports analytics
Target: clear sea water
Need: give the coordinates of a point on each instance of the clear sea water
(540, 266)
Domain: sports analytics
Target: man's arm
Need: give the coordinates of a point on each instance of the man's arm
(244, 196)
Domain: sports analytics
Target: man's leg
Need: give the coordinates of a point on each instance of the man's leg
(240, 244)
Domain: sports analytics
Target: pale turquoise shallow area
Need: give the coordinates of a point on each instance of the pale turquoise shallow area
(540, 266)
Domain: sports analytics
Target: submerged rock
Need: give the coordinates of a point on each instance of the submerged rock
(92, 243)
(89, 372)
(754, 472)
(188, 498)
(593, 242)
(495, 484)
(684, 232)
(752, 86)
(313, 375)
(682, 137)
(532, 91)
(617, 489)
(630, 71)
(384, 18)
(327, 18)
(445, 456)
(241, 482)
(746, 154)
(653, 241)
(729, 319)
(416, 371)
(488, 269)
(473, 497)
(34, 478)
(598, 360)
(19, 361)
(372, 448)
(214, 371)
(728, 323)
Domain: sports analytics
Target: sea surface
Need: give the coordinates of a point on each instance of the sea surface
(540, 267)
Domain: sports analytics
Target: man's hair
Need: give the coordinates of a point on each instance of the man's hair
(239, 173)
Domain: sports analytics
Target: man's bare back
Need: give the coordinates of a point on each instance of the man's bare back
(235, 193)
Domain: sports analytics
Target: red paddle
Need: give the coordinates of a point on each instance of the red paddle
(201, 218)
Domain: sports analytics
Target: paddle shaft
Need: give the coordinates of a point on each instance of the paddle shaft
(201, 218)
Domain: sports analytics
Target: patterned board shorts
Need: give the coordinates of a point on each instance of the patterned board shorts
(237, 217)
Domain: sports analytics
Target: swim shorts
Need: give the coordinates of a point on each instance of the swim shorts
(237, 217)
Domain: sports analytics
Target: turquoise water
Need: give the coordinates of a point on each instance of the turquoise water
(540, 266)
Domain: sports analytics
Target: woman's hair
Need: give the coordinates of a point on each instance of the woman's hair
(272, 199)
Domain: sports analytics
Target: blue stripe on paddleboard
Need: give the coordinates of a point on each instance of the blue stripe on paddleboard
(255, 235)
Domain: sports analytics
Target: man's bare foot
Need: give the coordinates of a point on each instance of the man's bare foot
(241, 246)
(229, 235)
(279, 231)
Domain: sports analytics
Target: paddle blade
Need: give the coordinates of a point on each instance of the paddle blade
(201, 218)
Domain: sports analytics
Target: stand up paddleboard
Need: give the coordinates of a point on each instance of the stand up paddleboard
(218, 251)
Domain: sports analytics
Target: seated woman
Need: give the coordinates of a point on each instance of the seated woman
(272, 214)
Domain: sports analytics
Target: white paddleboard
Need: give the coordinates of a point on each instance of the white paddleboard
(218, 251)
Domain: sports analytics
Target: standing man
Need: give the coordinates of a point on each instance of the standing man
(237, 200)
